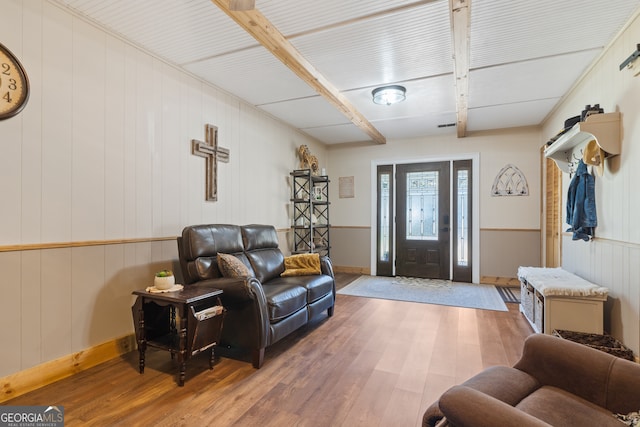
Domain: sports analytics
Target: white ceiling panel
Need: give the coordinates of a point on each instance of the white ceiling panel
(543, 78)
(293, 17)
(404, 45)
(510, 115)
(504, 31)
(306, 112)
(254, 75)
(415, 127)
(180, 31)
(429, 95)
(337, 134)
(524, 56)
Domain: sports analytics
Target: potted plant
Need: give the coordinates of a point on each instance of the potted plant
(164, 280)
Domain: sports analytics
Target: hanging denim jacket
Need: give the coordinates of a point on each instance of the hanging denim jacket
(581, 204)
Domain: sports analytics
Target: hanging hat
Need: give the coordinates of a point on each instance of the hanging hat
(594, 156)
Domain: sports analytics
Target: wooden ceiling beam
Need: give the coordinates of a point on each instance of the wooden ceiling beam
(460, 12)
(275, 42)
(242, 4)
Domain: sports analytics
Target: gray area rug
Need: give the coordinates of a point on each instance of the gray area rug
(429, 291)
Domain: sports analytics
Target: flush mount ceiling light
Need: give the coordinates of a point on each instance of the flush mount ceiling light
(387, 95)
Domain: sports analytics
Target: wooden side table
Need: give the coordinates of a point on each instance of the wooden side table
(184, 322)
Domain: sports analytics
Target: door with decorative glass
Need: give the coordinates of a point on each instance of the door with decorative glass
(423, 220)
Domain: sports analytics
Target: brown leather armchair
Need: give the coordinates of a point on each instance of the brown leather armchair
(555, 383)
(262, 307)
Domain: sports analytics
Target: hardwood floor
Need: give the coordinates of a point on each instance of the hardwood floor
(374, 363)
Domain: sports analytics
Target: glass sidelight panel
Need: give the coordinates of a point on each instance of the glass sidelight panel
(462, 223)
(462, 241)
(385, 256)
(422, 205)
(385, 214)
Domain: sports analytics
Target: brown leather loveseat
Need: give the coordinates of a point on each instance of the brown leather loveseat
(556, 383)
(262, 307)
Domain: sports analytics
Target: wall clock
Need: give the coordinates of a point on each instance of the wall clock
(14, 84)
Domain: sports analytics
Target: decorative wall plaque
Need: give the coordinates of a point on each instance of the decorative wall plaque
(346, 187)
(510, 181)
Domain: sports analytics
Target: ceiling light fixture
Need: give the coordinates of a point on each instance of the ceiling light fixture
(387, 95)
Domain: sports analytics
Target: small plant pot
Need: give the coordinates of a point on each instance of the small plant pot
(163, 283)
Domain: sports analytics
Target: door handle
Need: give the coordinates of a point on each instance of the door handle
(445, 229)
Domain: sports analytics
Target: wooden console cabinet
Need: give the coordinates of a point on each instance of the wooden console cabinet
(552, 298)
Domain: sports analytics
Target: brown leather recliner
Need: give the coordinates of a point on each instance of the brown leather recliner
(556, 383)
(263, 307)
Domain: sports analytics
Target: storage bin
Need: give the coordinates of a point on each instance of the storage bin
(526, 300)
(539, 311)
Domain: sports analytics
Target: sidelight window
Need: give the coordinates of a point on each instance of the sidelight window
(462, 223)
(384, 214)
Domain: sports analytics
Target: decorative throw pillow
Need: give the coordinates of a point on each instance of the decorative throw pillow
(301, 265)
(231, 266)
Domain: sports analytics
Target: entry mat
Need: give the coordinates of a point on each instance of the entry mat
(428, 291)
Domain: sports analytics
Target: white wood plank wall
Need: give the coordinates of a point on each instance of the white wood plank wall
(613, 258)
(103, 152)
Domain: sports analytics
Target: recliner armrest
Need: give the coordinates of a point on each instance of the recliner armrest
(466, 407)
(236, 290)
(580, 370)
(326, 267)
(238, 294)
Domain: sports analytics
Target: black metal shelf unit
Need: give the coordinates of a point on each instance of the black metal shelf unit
(310, 199)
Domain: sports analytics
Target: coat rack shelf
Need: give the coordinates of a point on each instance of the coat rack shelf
(604, 128)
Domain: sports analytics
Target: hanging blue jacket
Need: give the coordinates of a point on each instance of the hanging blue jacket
(581, 204)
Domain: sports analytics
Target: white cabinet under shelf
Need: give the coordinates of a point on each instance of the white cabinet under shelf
(552, 298)
(604, 128)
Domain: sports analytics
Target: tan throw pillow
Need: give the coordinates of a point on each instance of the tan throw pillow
(301, 265)
(230, 266)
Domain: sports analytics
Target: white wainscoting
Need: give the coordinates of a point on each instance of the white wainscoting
(615, 265)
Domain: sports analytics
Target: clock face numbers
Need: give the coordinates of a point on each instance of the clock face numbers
(14, 88)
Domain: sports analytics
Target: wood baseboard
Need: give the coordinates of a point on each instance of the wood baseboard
(356, 270)
(500, 281)
(49, 372)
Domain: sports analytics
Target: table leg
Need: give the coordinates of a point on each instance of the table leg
(182, 349)
(141, 350)
(173, 330)
(183, 369)
(211, 358)
(141, 337)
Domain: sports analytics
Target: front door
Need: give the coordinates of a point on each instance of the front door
(423, 220)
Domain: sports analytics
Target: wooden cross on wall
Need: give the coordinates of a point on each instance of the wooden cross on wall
(213, 154)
